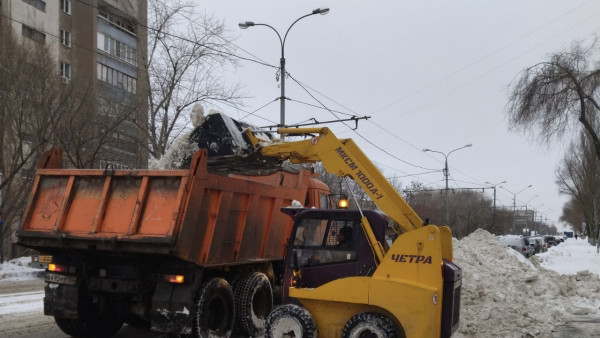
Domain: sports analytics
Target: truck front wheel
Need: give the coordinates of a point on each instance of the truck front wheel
(290, 321)
(215, 309)
(370, 324)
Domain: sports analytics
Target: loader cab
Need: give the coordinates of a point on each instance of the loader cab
(326, 245)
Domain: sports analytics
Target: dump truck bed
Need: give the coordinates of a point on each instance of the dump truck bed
(193, 215)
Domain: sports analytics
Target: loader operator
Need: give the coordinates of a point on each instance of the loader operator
(344, 238)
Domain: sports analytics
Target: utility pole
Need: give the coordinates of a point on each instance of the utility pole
(246, 24)
(515, 204)
(446, 174)
(494, 228)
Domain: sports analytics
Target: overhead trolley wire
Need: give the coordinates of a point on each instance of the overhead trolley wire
(356, 132)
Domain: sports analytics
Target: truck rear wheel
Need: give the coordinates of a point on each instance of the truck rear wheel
(66, 325)
(370, 325)
(253, 303)
(290, 321)
(215, 309)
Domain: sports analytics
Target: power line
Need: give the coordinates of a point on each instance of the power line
(254, 112)
(479, 60)
(357, 133)
(194, 42)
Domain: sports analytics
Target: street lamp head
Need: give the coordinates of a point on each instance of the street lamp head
(426, 150)
(469, 145)
(321, 11)
(246, 24)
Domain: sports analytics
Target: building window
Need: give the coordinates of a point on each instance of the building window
(39, 4)
(65, 6)
(117, 48)
(65, 38)
(115, 78)
(33, 34)
(65, 71)
(123, 24)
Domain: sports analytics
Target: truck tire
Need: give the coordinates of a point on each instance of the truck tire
(370, 324)
(290, 321)
(215, 312)
(66, 325)
(253, 303)
(96, 321)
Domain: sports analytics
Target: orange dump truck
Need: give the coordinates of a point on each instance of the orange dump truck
(181, 251)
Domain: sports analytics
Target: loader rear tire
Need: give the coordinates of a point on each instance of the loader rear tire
(215, 312)
(370, 325)
(253, 303)
(290, 321)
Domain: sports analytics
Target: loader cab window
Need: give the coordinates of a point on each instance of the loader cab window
(325, 201)
(325, 241)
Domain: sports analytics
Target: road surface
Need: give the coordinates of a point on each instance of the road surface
(22, 313)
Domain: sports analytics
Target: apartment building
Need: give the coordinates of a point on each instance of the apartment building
(102, 42)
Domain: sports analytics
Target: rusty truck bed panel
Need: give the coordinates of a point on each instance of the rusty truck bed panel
(194, 215)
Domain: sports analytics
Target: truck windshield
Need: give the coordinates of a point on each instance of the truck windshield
(325, 241)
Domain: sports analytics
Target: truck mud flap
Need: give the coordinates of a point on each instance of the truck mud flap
(61, 300)
(173, 308)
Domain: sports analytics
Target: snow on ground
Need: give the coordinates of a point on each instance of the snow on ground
(18, 269)
(506, 295)
(570, 257)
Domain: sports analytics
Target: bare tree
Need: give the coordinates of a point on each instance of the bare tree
(37, 113)
(557, 94)
(578, 176)
(29, 86)
(573, 215)
(186, 56)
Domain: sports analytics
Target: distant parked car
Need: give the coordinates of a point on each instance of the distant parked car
(518, 243)
(538, 244)
(550, 241)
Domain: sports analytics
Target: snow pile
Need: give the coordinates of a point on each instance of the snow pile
(18, 269)
(570, 257)
(197, 115)
(175, 156)
(505, 295)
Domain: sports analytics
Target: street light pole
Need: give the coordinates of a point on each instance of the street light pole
(246, 24)
(494, 210)
(515, 202)
(446, 174)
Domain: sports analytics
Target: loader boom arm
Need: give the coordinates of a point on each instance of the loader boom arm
(342, 157)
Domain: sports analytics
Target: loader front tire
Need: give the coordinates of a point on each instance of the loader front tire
(215, 309)
(370, 325)
(290, 321)
(253, 303)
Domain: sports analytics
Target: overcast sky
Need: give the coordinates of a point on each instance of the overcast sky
(431, 74)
